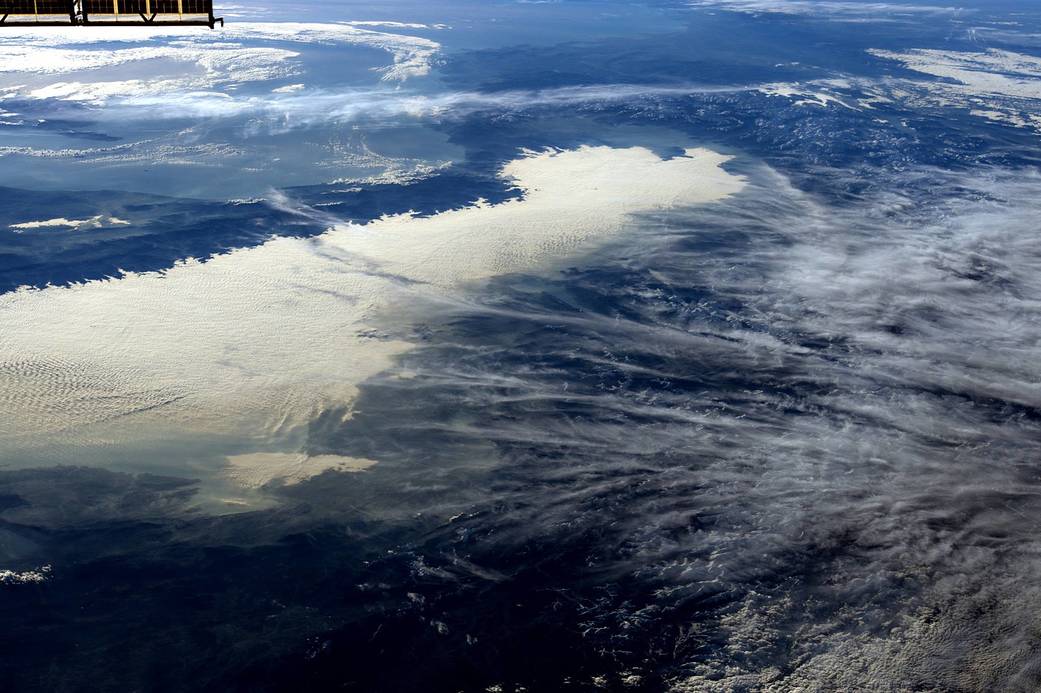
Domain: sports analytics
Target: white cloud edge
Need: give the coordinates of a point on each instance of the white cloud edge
(95, 222)
(830, 8)
(217, 376)
(223, 56)
(28, 577)
(998, 85)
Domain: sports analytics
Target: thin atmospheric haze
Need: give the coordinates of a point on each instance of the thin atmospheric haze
(523, 346)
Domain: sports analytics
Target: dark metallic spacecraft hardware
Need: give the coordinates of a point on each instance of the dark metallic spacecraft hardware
(107, 12)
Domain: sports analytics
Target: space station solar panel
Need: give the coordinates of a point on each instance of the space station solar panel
(107, 12)
(148, 7)
(93, 7)
(48, 7)
(186, 6)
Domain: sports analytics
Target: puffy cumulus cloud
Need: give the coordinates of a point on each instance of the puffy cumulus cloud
(27, 577)
(247, 349)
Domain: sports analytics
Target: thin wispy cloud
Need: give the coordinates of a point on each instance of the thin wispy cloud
(825, 8)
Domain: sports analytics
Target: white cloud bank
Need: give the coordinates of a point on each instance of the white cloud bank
(803, 95)
(95, 222)
(28, 577)
(184, 59)
(254, 470)
(296, 106)
(997, 85)
(252, 345)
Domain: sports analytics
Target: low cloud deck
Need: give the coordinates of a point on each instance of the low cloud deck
(107, 12)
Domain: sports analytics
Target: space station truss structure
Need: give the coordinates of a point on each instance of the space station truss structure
(107, 12)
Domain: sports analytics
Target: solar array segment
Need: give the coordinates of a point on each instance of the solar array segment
(103, 12)
(178, 7)
(44, 7)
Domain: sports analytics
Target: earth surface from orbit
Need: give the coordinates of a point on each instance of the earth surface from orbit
(502, 346)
